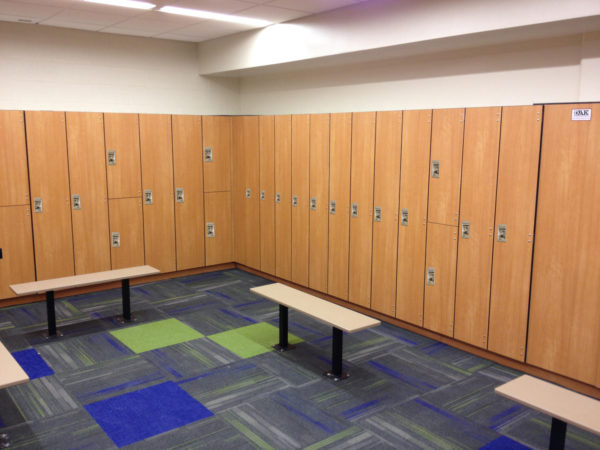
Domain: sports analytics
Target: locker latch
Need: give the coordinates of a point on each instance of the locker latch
(502, 233)
(378, 214)
(262, 195)
(278, 198)
(354, 209)
(148, 197)
(294, 200)
(435, 169)
(76, 201)
(430, 276)
(313, 203)
(332, 207)
(465, 229)
(112, 158)
(208, 154)
(179, 195)
(404, 217)
(37, 205)
(247, 192)
(116, 239)
(210, 230)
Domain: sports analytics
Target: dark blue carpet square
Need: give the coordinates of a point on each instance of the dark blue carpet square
(32, 363)
(138, 415)
(504, 443)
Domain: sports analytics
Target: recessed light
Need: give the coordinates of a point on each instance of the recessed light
(126, 3)
(215, 16)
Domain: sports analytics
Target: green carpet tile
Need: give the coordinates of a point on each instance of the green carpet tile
(211, 337)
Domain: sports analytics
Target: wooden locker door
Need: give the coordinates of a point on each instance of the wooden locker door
(87, 173)
(361, 195)
(283, 192)
(439, 292)
(267, 193)
(156, 146)
(412, 233)
(515, 209)
(300, 194)
(49, 181)
(216, 132)
(219, 242)
(477, 208)
(122, 136)
(127, 232)
(16, 244)
(388, 152)
(564, 336)
(14, 178)
(189, 199)
(446, 149)
(319, 191)
(339, 192)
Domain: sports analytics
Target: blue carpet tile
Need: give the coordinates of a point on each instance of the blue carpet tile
(32, 363)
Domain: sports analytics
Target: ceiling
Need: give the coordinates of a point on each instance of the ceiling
(81, 15)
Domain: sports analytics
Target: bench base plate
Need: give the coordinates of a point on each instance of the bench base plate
(122, 320)
(329, 374)
(280, 348)
(48, 336)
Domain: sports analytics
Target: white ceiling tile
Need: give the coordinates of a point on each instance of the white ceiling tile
(81, 17)
(147, 26)
(271, 13)
(209, 30)
(220, 6)
(72, 25)
(22, 10)
(313, 6)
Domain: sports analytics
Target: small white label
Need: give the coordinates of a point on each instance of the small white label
(581, 114)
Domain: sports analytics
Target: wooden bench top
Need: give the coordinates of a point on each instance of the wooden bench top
(58, 284)
(337, 316)
(564, 404)
(11, 372)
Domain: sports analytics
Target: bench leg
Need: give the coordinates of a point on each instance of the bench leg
(51, 314)
(283, 331)
(558, 434)
(126, 301)
(336, 372)
(4, 442)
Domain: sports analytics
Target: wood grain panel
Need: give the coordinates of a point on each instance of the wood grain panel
(188, 175)
(319, 190)
(126, 218)
(14, 178)
(217, 207)
(266, 125)
(16, 242)
(283, 187)
(300, 188)
(216, 132)
(388, 152)
(339, 191)
(515, 208)
(412, 237)
(49, 180)
(477, 206)
(361, 193)
(122, 134)
(156, 145)
(564, 336)
(446, 147)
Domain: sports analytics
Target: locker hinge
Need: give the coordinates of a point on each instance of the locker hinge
(501, 233)
(404, 217)
(378, 214)
(179, 195)
(354, 209)
(76, 201)
(112, 157)
(148, 197)
(37, 205)
(208, 154)
(210, 229)
(116, 239)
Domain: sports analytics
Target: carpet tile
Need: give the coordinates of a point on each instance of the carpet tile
(150, 336)
(32, 363)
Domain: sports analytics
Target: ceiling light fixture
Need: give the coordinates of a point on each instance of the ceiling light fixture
(126, 3)
(215, 16)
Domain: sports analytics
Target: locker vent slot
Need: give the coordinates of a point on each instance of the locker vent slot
(378, 214)
(430, 276)
(112, 158)
(313, 203)
(210, 229)
(148, 197)
(208, 156)
(179, 195)
(502, 233)
(332, 207)
(435, 169)
(354, 209)
(116, 239)
(76, 201)
(404, 217)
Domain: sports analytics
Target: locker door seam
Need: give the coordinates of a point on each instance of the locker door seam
(24, 115)
(69, 199)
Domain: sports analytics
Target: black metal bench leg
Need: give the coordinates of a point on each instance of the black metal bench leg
(126, 300)
(336, 372)
(558, 434)
(51, 314)
(283, 331)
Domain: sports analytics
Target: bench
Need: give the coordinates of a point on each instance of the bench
(340, 318)
(11, 374)
(58, 284)
(563, 405)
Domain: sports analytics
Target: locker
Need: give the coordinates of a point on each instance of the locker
(564, 336)
(126, 232)
(412, 228)
(156, 146)
(440, 278)
(318, 202)
(445, 171)
(361, 208)
(300, 192)
(267, 193)
(218, 228)
(16, 242)
(515, 209)
(49, 182)
(14, 178)
(122, 138)
(477, 208)
(388, 152)
(87, 174)
(339, 192)
(245, 199)
(283, 197)
(216, 132)
(189, 201)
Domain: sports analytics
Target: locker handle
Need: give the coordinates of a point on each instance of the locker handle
(354, 209)
(76, 201)
(210, 229)
(502, 233)
(112, 157)
(208, 154)
(248, 192)
(465, 229)
(430, 276)
(378, 214)
(262, 195)
(116, 239)
(404, 217)
(313, 203)
(148, 197)
(332, 207)
(294, 200)
(37, 205)
(277, 197)
(179, 195)
(435, 169)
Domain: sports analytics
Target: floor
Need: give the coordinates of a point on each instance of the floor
(196, 370)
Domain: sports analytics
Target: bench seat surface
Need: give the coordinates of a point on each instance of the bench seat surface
(564, 404)
(11, 372)
(337, 316)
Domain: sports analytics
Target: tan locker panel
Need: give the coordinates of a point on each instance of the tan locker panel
(388, 151)
(246, 214)
(339, 192)
(515, 213)
(564, 336)
(156, 146)
(300, 194)
(218, 228)
(445, 168)
(49, 181)
(189, 195)
(16, 247)
(318, 202)
(126, 232)
(412, 230)
(14, 179)
(440, 278)
(477, 207)
(283, 197)
(87, 173)
(122, 142)
(266, 125)
(216, 132)
(361, 208)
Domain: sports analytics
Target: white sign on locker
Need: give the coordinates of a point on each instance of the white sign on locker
(581, 114)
